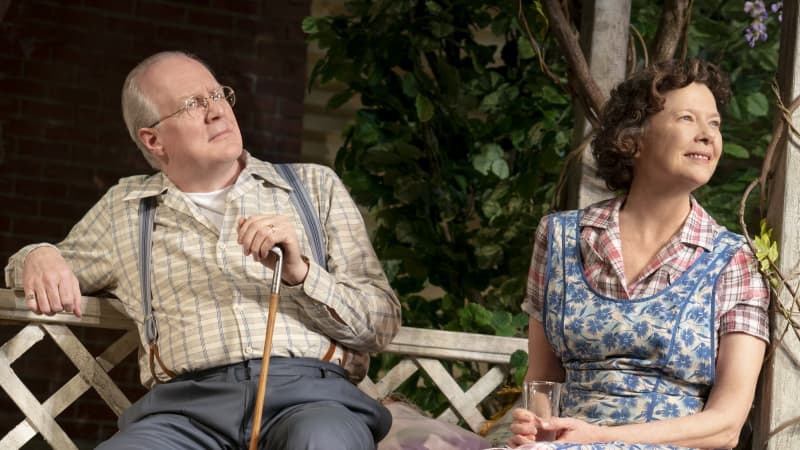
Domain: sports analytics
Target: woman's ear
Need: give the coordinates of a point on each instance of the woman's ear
(631, 145)
(637, 143)
(149, 138)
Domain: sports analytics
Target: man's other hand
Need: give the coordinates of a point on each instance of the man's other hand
(49, 284)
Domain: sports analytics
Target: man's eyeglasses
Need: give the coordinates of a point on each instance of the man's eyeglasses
(192, 104)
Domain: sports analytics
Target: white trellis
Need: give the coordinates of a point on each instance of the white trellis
(778, 418)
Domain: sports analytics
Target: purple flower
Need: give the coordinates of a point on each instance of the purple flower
(755, 9)
(777, 7)
(757, 30)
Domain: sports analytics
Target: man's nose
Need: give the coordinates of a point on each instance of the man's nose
(215, 109)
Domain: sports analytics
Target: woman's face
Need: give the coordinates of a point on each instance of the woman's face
(681, 144)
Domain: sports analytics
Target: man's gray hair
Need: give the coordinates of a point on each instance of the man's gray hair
(138, 111)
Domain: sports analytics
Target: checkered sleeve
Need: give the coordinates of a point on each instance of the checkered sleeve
(743, 297)
(83, 250)
(367, 311)
(534, 295)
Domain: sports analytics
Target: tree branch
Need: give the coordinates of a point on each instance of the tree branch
(587, 90)
(674, 18)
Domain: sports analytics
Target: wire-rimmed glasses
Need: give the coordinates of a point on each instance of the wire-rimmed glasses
(192, 104)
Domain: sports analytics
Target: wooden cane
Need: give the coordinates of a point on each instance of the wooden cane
(262, 379)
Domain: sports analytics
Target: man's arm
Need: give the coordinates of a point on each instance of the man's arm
(52, 276)
(352, 301)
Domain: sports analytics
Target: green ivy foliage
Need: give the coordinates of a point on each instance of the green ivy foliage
(455, 152)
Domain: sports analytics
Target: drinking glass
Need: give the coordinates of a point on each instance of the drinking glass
(542, 398)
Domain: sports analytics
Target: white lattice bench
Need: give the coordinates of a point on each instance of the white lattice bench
(421, 350)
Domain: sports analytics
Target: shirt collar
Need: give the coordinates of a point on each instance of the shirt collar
(152, 186)
(604, 214)
(697, 230)
(159, 183)
(262, 170)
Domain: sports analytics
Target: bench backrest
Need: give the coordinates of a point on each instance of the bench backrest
(420, 349)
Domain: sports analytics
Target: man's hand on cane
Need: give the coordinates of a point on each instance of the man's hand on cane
(259, 234)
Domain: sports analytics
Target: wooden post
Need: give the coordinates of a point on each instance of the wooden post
(777, 423)
(604, 39)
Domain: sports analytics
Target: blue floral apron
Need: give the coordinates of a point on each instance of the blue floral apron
(631, 361)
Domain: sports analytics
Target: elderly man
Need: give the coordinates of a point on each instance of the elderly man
(218, 213)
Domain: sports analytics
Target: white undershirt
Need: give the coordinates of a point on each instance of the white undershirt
(211, 204)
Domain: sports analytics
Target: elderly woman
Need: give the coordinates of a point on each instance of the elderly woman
(652, 315)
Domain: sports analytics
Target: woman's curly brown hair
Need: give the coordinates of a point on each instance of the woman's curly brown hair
(634, 101)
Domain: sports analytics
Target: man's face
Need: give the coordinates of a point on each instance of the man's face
(203, 143)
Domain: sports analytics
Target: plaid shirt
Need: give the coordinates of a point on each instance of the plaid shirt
(742, 297)
(210, 300)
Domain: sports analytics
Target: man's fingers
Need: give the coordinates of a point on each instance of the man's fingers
(76, 306)
(42, 301)
(265, 255)
(54, 299)
(50, 285)
(257, 235)
(30, 301)
(66, 295)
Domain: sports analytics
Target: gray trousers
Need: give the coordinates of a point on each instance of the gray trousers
(309, 404)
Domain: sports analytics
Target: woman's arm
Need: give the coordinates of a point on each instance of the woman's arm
(543, 365)
(717, 426)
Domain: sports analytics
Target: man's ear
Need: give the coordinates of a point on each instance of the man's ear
(149, 137)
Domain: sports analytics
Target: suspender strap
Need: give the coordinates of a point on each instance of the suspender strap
(147, 213)
(302, 203)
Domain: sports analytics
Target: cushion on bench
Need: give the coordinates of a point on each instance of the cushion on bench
(413, 430)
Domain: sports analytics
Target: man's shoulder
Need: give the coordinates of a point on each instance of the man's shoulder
(308, 173)
(138, 185)
(312, 170)
(315, 176)
(134, 181)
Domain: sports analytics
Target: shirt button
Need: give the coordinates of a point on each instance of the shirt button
(248, 350)
(221, 246)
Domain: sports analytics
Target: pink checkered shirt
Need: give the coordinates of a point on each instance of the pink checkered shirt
(742, 296)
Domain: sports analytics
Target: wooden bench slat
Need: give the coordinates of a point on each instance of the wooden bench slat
(88, 367)
(455, 345)
(482, 388)
(461, 404)
(390, 381)
(21, 342)
(35, 413)
(73, 389)
(97, 312)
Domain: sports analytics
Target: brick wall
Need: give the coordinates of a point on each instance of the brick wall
(63, 142)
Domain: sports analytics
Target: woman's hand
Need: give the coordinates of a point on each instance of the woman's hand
(573, 430)
(524, 427)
